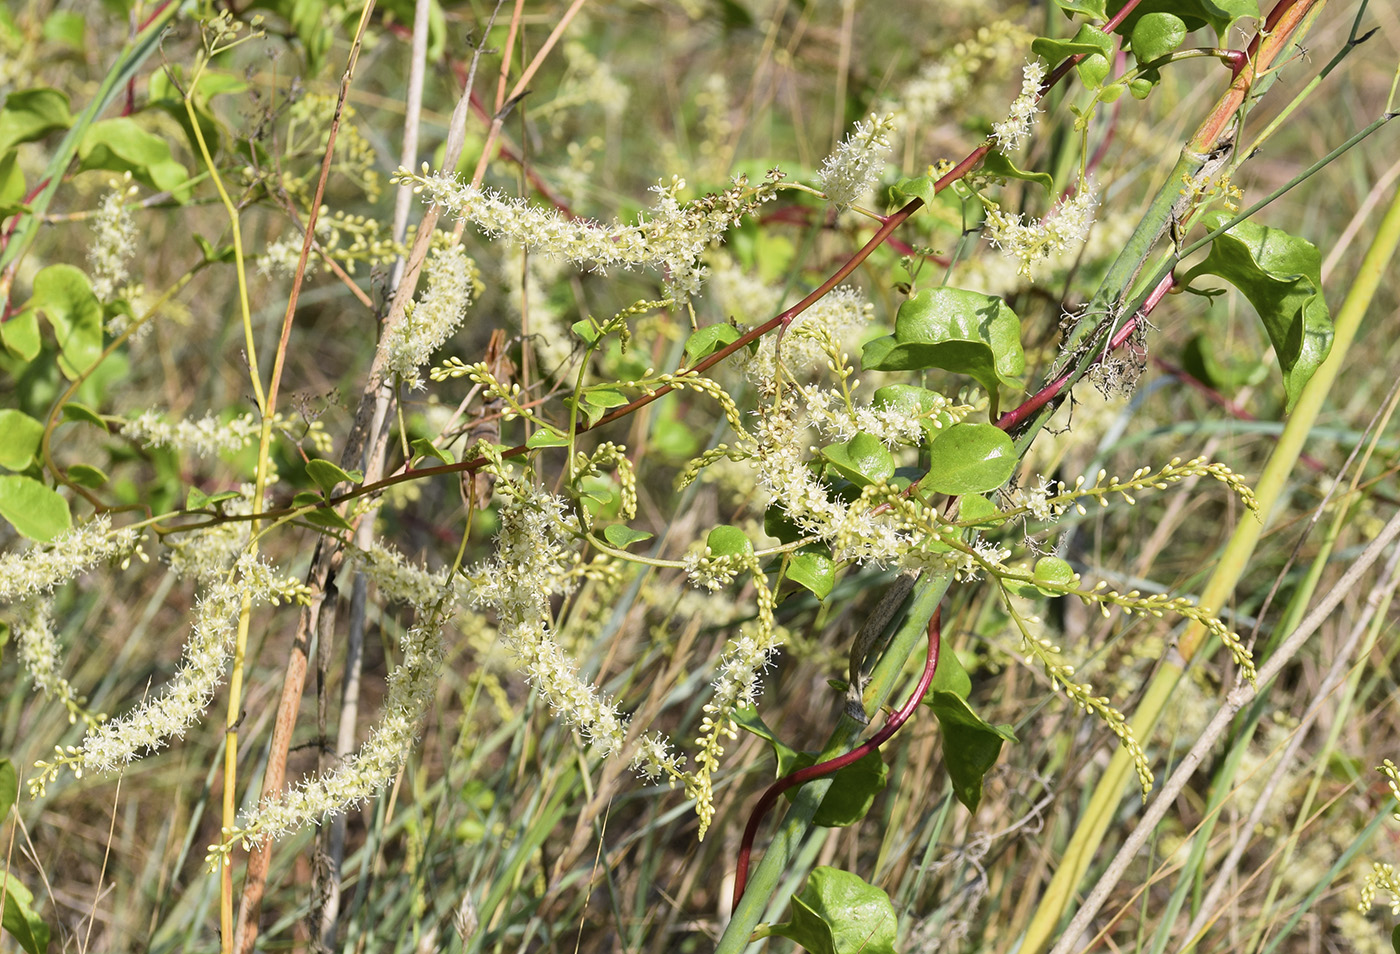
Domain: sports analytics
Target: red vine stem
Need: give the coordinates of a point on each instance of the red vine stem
(1017, 416)
(831, 766)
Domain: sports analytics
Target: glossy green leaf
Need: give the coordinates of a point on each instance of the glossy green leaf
(969, 459)
(1395, 939)
(1053, 571)
(327, 475)
(21, 335)
(586, 330)
(996, 164)
(705, 341)
(961, 331)
(950, 676)
(306, 498)
(622, 536)
(76, 413)
(918, 187)
(1157, 34)
(814, 569)
(852, 792)
(20, 919)
(35, 510)
(1089, 41)
(1217, 14)
(1090, 9)
(31, 114)
(120, 145)
(424, 449)
(1281, 276)
(63, 296)
(604, 398)
(840, 913)
(726, 540)
(85, 475)
(19, 438)
(971, 745)
(863, 460)
(546, 439)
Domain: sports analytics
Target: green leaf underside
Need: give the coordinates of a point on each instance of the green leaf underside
(969, 459)
(19, 438)
(814, 569)
(971, 745)
(31, 114)
(327, 475)
(840, 913)
(1157, 34)
(997, 164)
(121, 145)
(1281, 275)
(63, 296)
(705, 341)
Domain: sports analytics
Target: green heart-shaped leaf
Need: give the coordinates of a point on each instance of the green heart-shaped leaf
(969, 459)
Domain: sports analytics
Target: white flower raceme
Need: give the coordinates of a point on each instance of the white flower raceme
(673, 237)
(114, 242)
(850, 170)
(203, 438)
(434, 317)
(41, 568)
(182, 702)
(1012, 131)
(1029, 240)
(400, 580)
(39, 652)
(367, 772)
(831, 323)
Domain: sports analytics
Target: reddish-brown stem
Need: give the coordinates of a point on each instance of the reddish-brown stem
(1017, 416)
(831, 766)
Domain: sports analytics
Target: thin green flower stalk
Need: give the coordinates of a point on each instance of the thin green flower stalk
(451, 280)
(39, 569)
(854, 166)
(480, 373)
(412, 685)
(182, 702)
(673, 237)
(41, 657)
(1061, 675)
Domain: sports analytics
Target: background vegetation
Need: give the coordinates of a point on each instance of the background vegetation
(504, 831)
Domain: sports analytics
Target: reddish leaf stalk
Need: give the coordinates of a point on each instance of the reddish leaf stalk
(831, 766)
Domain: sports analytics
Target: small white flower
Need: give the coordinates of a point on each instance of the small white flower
(850, 171)
(1011, 132)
